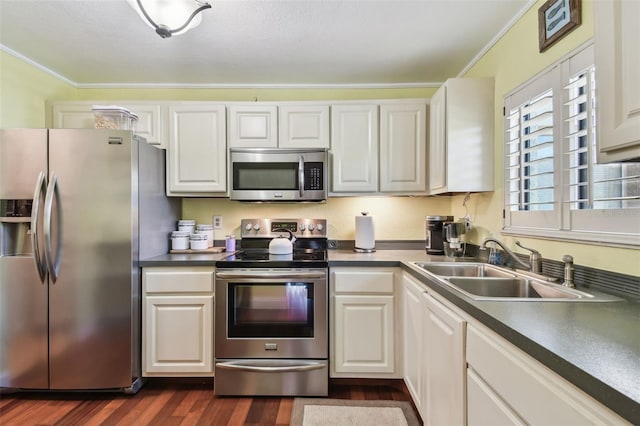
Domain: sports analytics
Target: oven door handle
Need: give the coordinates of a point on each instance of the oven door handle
(271, 274)
(270, 369)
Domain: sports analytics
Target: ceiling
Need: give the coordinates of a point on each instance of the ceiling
(378, 43)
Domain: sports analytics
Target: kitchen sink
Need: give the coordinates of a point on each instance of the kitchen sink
(482, 281)
(465, 270)
(514, 288)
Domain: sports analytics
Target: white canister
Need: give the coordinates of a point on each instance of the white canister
(179, 240)
(230, 243)
(187, 225)
(198, 241)
(206, 230)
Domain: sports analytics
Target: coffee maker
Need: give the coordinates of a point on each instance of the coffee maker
(434, 229)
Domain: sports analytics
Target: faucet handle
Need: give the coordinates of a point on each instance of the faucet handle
(533, 251)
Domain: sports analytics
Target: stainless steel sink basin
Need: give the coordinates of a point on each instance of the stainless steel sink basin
(481, 281)
(513, 288)
(445, 269)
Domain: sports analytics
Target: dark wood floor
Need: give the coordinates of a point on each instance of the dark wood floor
(175, 402)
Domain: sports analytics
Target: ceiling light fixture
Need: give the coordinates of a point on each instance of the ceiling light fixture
(170, 17)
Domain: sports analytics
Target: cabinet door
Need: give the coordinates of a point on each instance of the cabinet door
(79, 115)
(617, 36)
(438, 141)
(178, 335)
(485, 407)
(445, 364)
(196, 158)
(364, 330)
(149, 124)
(303, 126)
(533, 392)
(412, 318)
(403, 144)
(354, 147)
(73, 115)
(253, 126)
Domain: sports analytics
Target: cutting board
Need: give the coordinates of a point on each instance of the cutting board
(209, 250)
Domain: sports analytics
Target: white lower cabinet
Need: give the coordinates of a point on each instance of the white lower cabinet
(484, 407)
(413, 355)
(507, 386)
(177, 321)
(443, 377)
(363, 327)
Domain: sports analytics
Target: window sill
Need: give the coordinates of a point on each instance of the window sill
(595, 238)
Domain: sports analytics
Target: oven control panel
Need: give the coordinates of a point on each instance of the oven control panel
(271, 228)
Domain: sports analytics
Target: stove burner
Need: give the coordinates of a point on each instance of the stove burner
(309, 248)
(260, 258)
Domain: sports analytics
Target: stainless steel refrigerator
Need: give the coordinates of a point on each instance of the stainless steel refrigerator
(78, 209)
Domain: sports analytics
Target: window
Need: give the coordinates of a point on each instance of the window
(553, 186)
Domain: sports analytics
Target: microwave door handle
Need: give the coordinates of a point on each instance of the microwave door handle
(301, 176)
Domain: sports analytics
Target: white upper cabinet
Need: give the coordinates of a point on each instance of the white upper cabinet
(354, 148)
(196, 157)
(403, 148)
(617, 41)
(461, 136)
(79, 115)
(303, 126)
(253, 126)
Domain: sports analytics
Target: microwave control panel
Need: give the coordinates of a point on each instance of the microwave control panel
(313, 176)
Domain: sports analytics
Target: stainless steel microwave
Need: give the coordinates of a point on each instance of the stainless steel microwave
(260, 174)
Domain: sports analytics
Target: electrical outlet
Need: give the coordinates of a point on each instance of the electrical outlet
(217, 222)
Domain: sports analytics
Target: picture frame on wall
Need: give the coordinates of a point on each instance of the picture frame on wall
(556, 19)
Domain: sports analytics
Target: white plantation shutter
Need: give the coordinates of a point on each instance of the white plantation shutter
(531, 129)
(597, 197)
(530, 158)
(553, 185)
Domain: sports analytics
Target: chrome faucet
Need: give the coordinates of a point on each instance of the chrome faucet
(535, 259)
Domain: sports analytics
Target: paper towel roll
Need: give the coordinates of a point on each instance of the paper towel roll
(365, 238)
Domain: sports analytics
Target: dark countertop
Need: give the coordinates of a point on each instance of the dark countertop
(595, 346)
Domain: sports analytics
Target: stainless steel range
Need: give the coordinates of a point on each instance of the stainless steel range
(271, 334)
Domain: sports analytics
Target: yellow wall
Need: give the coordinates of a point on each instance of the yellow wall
(24, 89)
(395, 218)
(520, 46)
(514, 59)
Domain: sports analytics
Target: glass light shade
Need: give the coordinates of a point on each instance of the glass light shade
(170, 13)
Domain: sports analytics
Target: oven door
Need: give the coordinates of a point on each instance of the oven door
(264, 313)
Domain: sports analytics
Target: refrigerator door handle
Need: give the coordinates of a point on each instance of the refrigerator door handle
(53, 265)
(41, 188)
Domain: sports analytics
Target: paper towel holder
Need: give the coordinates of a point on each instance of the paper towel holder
(364, 250)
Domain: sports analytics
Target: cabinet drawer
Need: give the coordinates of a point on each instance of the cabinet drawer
(360, 281)
(165, 280)
(535, 393)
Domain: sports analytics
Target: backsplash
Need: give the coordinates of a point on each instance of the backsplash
(627, 286)
(395, 218)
